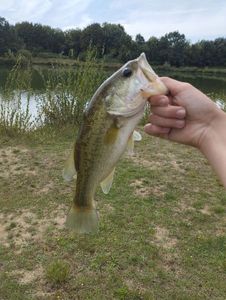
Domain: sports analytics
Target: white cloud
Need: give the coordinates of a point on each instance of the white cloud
(85, 21)
(69, 12)
(196, 22)
(56, 13)
(24, 10)
(196, 19)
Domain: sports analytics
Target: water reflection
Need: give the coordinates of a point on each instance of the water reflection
(27, 100)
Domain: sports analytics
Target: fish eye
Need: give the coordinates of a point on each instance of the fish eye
(127, 72)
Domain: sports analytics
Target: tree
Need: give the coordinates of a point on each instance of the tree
(117, 43)
(152, 50)
(177, 46)
(8, 38)
(73, 41)
(219, 58)
(139, 39)
(93, 36)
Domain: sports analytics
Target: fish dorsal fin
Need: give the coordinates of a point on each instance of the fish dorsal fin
(107, 182)
(135, 137)
(69, 171)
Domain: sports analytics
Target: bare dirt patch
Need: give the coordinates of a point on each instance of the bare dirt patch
(152, 165)
(28, 276)
(206, 210)
(163, 238)
(24, 226)
(184, 206)
(45, 189)
(142, 190)
(15, 161)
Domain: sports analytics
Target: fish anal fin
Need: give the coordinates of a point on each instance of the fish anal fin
(107, 182)
(137, 136)
(69, 171)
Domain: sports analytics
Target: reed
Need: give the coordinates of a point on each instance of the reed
(67, 90)
(15, 114)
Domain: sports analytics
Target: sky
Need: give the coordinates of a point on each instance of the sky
(197, 19)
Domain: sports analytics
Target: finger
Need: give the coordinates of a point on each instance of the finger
(159, 100)
(156, 130)
(175, 112)
(166, 122)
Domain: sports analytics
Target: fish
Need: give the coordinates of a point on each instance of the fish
(106, 133)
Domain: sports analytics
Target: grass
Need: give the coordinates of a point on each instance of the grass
(57, 272)
(162, 226)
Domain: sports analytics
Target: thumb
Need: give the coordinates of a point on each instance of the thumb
(173, 85)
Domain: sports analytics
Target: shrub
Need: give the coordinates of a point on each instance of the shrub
(57, 272)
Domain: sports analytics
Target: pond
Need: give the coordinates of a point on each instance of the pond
(214, 86)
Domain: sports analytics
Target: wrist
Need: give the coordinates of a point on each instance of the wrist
(213, 145)
(215, 133)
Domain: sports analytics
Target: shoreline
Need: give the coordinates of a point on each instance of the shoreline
(217, 71)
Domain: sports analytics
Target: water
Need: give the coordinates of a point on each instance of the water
(214, 86)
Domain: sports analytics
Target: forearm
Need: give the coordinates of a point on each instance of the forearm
(214, 147)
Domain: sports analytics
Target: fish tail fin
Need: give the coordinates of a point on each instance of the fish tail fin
(82, 219)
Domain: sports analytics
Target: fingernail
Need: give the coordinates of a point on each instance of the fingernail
(181, 113)
(147, 127)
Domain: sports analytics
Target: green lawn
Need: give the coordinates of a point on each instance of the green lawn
(162, 226)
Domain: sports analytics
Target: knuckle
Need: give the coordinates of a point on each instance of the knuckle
(186, 85)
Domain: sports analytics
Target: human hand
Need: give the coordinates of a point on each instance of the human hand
(185, 116)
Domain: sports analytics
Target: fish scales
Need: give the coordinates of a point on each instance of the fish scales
(89, 154)
(105, 133)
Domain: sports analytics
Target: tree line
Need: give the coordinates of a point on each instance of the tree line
(111, 42)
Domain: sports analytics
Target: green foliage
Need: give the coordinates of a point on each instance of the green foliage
(57, 272)
(67, 91)
(24, 53)
(15, 115)
(65, 94)
(111, 42)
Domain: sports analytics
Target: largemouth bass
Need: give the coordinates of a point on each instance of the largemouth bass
(106, 131)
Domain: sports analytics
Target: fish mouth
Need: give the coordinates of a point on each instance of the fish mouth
(155, 86)
(146, 68)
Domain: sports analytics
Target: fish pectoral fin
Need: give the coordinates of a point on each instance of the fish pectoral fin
(107, 182)
(69, 171)
(137, 137)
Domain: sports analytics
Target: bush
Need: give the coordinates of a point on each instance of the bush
(57, 272)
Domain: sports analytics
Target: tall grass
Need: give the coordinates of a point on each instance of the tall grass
(66, 92)
(15, 115)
